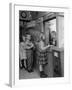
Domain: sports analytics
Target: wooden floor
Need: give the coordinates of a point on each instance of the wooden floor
(23, 74)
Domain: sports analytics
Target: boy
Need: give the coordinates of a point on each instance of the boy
(29, 52)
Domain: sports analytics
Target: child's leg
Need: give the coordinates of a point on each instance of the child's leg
(40, 68)
(25, 63)
(22, 63)
(42, 74)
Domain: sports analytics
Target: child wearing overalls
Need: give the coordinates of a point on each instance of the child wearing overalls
(29, 53)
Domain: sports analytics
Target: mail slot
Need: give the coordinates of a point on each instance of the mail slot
(56, 63)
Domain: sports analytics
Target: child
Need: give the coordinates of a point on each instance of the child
(22, 53)
(29, 52)
(53, 40)
(42, 55)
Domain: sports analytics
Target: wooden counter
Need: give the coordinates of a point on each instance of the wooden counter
(49, 69)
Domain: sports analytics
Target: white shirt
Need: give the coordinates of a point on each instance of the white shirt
(42, 45)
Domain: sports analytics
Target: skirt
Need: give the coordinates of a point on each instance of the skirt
(42, 57)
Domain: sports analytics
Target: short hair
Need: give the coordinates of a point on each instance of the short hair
(42, 36)
(54, 32)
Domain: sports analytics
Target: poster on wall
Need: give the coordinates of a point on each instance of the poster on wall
(37, 45)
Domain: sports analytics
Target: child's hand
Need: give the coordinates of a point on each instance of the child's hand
(51, 45)
(48, 45)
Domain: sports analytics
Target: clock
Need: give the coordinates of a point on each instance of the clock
(23, 14)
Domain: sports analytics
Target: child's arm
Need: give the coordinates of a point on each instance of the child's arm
(30, 46)
(44, 48)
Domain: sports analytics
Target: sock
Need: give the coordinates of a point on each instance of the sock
(41, 68)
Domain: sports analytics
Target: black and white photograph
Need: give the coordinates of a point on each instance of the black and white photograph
(41, 44)
(36, 44)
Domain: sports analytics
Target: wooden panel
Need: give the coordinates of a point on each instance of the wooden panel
(57, 70)
(62, 62)
(49, 66)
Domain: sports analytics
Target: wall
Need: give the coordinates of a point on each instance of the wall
(60, 31)
(35, 28)
(52, 25)
(35, 34)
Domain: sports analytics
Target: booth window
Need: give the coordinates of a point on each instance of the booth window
(50, 31)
